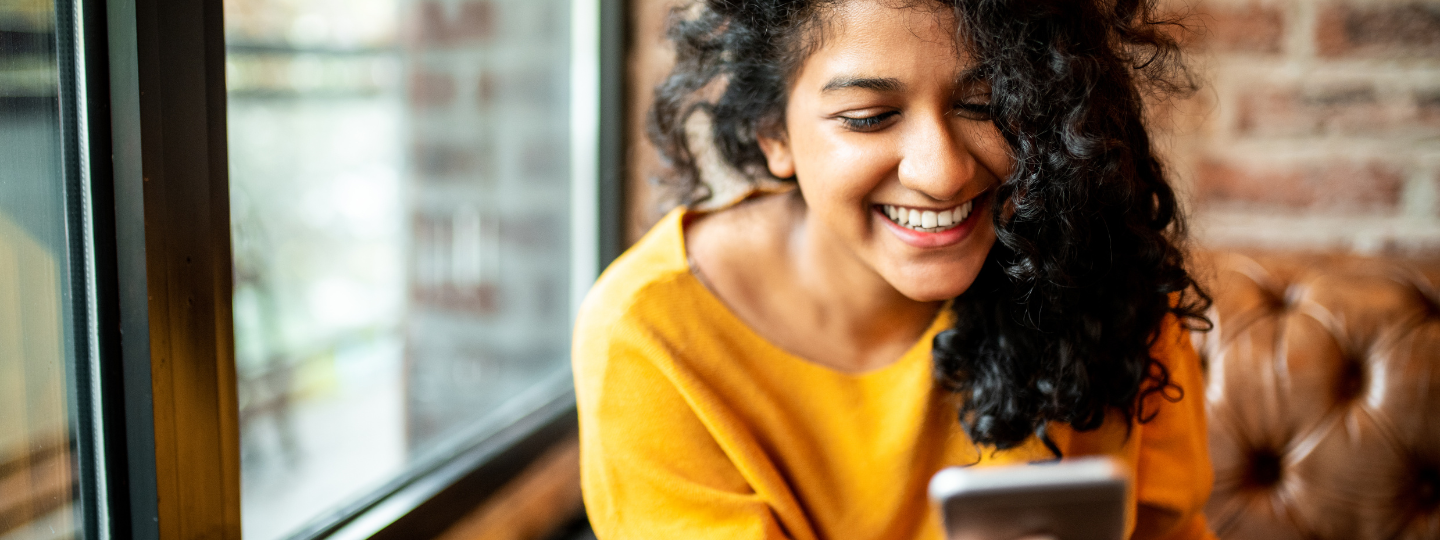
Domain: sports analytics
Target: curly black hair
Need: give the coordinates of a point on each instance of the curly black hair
(1089, 257)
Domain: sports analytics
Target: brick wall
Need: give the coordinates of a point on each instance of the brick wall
(1318, 127)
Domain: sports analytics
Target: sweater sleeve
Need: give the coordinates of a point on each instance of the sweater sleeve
(650, 468)
(1174, 473)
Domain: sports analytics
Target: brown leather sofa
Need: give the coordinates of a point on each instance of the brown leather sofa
(1324, 397)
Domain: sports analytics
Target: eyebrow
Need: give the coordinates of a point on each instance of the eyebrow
(879, 84)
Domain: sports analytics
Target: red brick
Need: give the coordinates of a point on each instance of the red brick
(433, 24)
(485, 89)
(1385, 30)
(1311, 110)
(473, 21)
(1253, 28)
(431, 89)
(1334, 186)
(1427, 108)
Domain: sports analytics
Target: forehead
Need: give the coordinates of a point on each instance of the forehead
(885, 35)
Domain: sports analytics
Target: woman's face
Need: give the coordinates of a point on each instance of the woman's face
(894, 156)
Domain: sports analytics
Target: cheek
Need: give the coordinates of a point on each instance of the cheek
(989, 147)
(835, 169)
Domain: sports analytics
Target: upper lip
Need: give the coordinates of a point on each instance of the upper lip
(937, 208)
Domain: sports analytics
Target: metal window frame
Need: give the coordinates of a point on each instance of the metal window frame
(151, 97)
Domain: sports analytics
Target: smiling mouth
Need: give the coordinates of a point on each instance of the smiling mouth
(928, 221)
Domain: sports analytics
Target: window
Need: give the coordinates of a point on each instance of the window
(401, 200)
(292, 268)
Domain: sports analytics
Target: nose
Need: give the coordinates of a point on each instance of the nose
(935, 160)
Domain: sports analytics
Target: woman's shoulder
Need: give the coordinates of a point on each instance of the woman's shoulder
(641, 321)
(655, 276)
(638, 282)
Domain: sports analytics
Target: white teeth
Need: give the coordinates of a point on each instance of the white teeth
(928, 220)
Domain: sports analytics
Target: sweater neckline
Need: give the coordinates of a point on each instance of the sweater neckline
(675, 229)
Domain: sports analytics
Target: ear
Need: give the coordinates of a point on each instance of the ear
(778, 156)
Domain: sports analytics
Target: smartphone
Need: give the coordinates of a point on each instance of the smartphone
(1079, 499)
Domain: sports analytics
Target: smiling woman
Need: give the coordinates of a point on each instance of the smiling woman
(978, 265)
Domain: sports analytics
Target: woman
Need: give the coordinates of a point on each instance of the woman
(979, 265)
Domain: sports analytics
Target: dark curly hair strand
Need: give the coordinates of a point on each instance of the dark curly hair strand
(1088, 262)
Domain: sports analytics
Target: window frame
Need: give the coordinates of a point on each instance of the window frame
(149, 107)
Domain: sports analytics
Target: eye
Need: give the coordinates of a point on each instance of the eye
(974, 107)
(867, 123)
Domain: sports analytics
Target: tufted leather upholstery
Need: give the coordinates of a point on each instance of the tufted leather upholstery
(1324, 397)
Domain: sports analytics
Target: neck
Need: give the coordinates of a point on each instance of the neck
(846, 296)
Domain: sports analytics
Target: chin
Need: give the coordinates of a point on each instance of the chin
(936, 283)
(937, 275)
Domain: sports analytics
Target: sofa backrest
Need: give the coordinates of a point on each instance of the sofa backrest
(1323, 396)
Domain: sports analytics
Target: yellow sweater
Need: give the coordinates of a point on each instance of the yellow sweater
(694, 427)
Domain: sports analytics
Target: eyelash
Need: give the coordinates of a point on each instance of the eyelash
(974, 111)
(866, 123)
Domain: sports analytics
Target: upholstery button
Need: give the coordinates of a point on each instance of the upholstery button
(1432, 309)
(1351, 382)
(1276, 300)
(1264, 469)
(1427, 488)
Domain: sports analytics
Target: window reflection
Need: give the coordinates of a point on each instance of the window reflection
(400, 210)
(37, 472)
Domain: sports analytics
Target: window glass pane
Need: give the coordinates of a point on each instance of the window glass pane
(400, 197)
(37, 473)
